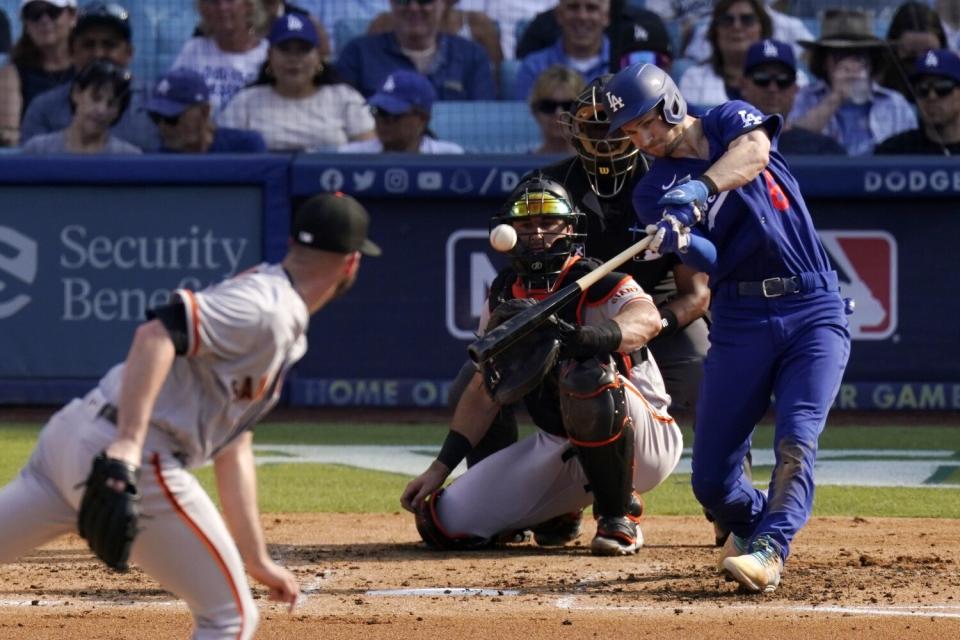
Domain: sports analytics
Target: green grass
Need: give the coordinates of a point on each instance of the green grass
(298, 487)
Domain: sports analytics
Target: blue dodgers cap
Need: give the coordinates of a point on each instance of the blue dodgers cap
(293, 27)
(767, 51)
(176, 91)
(403, 91)
(938, 62)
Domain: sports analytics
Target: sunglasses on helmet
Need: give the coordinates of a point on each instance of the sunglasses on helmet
(942, 87)
(783, 80)
(540, 203)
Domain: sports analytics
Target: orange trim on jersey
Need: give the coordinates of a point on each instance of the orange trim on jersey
(611, 293)
(261, 388)
(195, 320)
(659, 417)
(155, 460)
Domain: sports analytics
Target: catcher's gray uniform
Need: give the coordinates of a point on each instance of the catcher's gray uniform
(539, 477)
(243, 335)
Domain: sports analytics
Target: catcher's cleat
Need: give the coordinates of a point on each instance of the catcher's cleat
(559, 530)
(616, 536)
(758, 571)
(734, 546)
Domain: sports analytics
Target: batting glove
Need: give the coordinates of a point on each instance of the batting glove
(669, 236)
(686, 201)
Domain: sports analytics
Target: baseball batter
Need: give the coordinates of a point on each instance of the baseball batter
(197, 377)
(604, 431)
(722, 197)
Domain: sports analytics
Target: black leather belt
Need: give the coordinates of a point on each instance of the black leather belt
(771, 287)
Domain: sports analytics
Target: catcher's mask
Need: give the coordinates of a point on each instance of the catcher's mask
(539, 255)
(609, 162)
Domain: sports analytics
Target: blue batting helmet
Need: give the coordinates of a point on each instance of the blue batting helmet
(639, 89)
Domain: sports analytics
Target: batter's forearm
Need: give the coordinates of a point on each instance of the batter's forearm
(743, 161)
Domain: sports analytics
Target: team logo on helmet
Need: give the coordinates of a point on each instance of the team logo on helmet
(616, 102)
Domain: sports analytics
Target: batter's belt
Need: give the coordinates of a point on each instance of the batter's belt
(781, 285)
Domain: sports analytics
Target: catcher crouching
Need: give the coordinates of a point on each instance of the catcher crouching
(587, 381)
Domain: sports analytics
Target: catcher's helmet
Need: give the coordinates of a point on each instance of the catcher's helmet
(639, 89)
(539, 263)
(608, 161)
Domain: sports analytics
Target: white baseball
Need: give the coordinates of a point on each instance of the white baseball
(503, 237)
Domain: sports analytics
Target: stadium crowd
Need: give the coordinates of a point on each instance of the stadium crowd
(849, 76)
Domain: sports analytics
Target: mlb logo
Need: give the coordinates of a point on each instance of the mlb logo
(866, 262)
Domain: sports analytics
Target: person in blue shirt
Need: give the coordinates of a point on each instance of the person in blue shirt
(103, 31)
(582, 45)
(180, 107)
(720, 195)
(458, 68)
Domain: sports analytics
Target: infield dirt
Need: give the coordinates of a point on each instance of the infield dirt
(847, 577)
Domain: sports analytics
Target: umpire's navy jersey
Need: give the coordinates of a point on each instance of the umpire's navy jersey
(762, 229)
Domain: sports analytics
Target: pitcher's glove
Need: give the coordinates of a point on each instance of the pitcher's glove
(110, 510)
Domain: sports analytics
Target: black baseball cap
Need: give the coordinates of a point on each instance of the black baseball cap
(334, 222)
(108, 14)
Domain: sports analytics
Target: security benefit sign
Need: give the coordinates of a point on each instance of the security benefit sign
(79, 266)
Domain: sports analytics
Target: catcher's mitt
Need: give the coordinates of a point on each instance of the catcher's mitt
(108, 516)
(520, 369)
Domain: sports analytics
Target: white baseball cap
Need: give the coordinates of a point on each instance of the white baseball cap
(56, 3)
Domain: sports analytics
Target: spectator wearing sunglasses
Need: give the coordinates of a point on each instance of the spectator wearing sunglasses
(554, 93)
(846, 103)
(98, 97)
(935, 80)
(458, 68)
(786, 28)
(299, 102)
(735, 25)
(180, 107)
(40, 60)
(770, 84)
(103, 32)
(401, 115)
(582, 45)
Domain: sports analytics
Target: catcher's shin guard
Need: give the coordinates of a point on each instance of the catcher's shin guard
(436, 537)
(594, 410)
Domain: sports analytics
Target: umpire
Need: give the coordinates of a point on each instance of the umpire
(600, 180)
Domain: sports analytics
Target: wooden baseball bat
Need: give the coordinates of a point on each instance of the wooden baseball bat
(502, 337)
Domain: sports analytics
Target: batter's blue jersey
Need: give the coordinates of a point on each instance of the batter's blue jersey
(760, 230)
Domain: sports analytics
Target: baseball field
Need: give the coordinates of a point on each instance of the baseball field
(879, 559)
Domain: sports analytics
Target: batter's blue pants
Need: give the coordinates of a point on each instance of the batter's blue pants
(794, 348)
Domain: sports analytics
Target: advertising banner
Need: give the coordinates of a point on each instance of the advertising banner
(80, 265)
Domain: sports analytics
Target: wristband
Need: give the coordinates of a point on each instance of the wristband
(712, 189)
(455, 448)
(602, 338)
(668, 322)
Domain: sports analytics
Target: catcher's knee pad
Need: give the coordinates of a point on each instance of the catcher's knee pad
(594, 410)
(592, 401)
(436, 537)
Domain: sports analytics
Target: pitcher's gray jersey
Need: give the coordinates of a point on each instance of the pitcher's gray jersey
(243, 334)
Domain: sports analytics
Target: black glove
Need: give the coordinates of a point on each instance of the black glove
(582, 342)
(108, 516)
